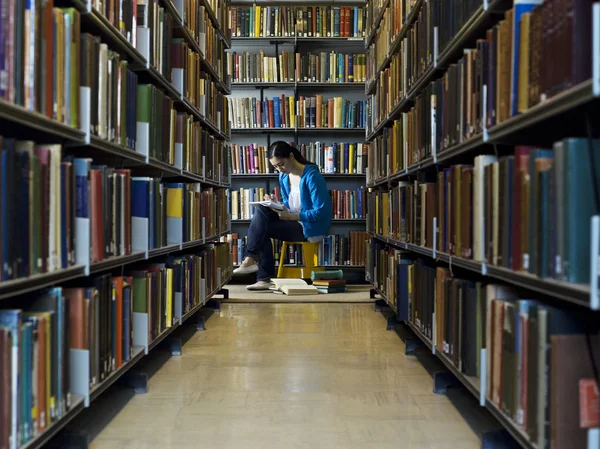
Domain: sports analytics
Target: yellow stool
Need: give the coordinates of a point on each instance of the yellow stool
(310, 257)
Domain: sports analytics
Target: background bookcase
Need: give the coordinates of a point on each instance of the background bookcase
(114, 179)
(483, 131)
(352, 91)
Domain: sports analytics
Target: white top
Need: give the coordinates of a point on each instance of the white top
(294, 200)
(295, 206)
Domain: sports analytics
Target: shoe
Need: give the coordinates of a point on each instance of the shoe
(260, 285)
(246, 268)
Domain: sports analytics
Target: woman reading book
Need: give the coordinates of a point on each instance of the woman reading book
(303, 215)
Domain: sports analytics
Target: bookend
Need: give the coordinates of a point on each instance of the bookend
(380, 304)
(69, 440)
(412, 344)
(178, 310)
(392, 320)
(442, 380)
(498, 439)
(174, 345)
(136, 380)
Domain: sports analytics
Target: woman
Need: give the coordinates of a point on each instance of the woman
(306, 214)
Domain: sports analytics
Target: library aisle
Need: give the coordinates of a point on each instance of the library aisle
(314, 376)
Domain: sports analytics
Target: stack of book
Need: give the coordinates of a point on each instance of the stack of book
(330, 285)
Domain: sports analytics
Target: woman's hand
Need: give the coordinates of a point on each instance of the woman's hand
(286, 215)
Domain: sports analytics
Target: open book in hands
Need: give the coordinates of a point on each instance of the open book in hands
(272, 204)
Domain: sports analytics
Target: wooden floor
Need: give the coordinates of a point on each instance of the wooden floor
(306, 376)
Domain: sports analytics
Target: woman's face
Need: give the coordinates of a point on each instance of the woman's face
(282, 165)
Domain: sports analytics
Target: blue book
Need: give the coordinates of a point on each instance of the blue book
(277, 112)
(12, 319)
(520, 7)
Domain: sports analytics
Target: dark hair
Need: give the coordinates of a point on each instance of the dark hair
(282, 149)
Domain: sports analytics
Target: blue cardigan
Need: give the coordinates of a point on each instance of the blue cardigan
(315, 211)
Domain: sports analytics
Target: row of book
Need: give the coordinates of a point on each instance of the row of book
(308, 112)
(502, 76)
(446, 113)
(206, 37)
(299, 21)
(287, 67)
(334, 250)
(42, 75)
(392, 18)
(338, 157)
(107, 318)
(538, 367)
(528, 211)
(417, 46)
(51, 201)
(346, 204)
(221, 13)
(166, 134)
(70, 58)
(171, 213)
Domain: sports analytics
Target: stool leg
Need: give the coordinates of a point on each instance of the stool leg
(311, 258)
(281, 257)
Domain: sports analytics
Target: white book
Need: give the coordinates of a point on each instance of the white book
(293, 287)
(270, 204)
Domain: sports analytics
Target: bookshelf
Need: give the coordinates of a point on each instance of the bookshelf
(114, 186)
(285, 61)
(482, 125)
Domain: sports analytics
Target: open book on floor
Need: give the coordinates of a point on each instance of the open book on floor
(293, 287)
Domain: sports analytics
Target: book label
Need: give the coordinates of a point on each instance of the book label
(589, 404)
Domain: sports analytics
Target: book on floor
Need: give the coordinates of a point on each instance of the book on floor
(293, 287)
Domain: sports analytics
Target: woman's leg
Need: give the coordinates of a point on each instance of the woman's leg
(259, 251)
(258, 231)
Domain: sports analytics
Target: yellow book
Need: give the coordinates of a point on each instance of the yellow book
(175, 201)
(523, 84)
(257, 30)
(351, 162)
(169, 308)
(292, 114)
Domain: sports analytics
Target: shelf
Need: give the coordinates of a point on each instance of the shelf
(473, 385)
(97, 390)
(332, 130)
(333, 220)
(12, 288)
(261, 85)
(216, 24)
(306, 84)
(559, 104)
(481, 20)
(294, 40)
(77, 406)
(115, 40)
(577, 294)
(290, 40)
(263, 130)
(170, 7)
(28, 284)
(31, 119)
(78, 402)
(376, 24)
(411, 18)
(117, 261)
(276, 175)
(444, 157)
(347, 40)
(215, 76)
